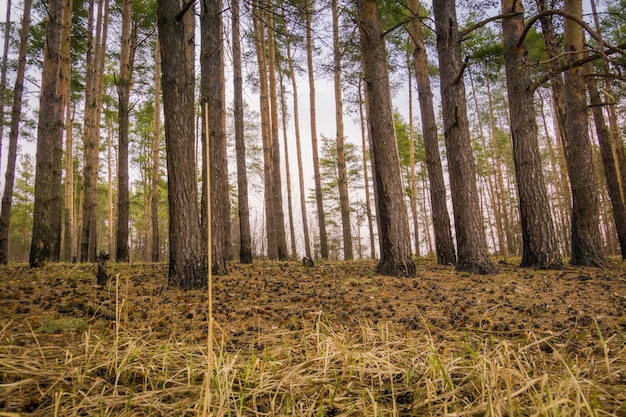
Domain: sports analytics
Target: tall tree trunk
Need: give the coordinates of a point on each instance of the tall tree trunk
(283, 107)
(212, 76)
(245, 239)
(16, 111)
(3, 75)
(123, 89)
(395, 242)
(156, 144)
(321, 218)
(470, 235)
(444, 245)
(270, 214)
(296, 118)
(110, 185)
(277, 193)
(586, 249)
(46, 240)
(188, 265)
(608, 161)
(413, 198)
(342, 177)
(66, 71)
(364, 147)
(93, 99)
(539, 242)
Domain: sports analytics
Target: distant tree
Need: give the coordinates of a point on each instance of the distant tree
(395, 242)
(21, 227)
(470, 236)
(46, 239)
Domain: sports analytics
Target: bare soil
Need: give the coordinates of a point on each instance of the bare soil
(54, 306)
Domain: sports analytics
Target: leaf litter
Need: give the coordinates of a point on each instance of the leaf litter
(330, 340)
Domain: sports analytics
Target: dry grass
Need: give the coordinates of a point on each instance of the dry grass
(321, 370)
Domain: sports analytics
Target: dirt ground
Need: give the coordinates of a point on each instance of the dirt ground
(255, 299)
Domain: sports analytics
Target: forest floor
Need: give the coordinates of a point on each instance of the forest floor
(329, 340)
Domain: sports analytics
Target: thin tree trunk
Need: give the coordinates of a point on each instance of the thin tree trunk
(188, 264)
(368, 204)
(395, 242)
(296, 118)
(3, 76)
(110, 185)
(283, 107)
(270, 215)
(413, 200)
(123, 88)
(277, 193)
(470, 236)
(245, 240)
(608, 162)
(444, 244)
(156, 144)
(342, 177)
(47, 214)
(16, 110)
(321, 219)
(212, 62)
(539, 243)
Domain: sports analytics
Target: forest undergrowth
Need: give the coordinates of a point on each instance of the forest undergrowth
(329, 340)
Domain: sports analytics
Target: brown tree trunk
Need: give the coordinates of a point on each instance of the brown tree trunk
(212, 75)
(444, 245)
(342, 181)
(123, 89)
(245, 239)
(270, 214)
(110, 185)
(296, 118)
(608, 162)
(321, 219)
(470, 235)
(539, 243)
(156, 144)
(586, 249)
(364, 147)
(3, 75)
(283, 109)
(188, 267)
(395, 242)
(413, 198)
(68, 216)
(16, 110)
(277, 193)
(47, 214)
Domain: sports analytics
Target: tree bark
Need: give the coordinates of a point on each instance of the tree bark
(16, 110)
(3, 75)
(277, 193)
(470, 237)
(342, 181)
(395, 242)
(608, 161)
(212, 68)
(444, 245)
(122, 253)
(66, 30)
(321, 219)
(188, 266)
(245, 239)
(586, 249)
(270, 214)
(364, 147)
(46, 239)
(156, 144)
(539, 243)
(296, 118)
